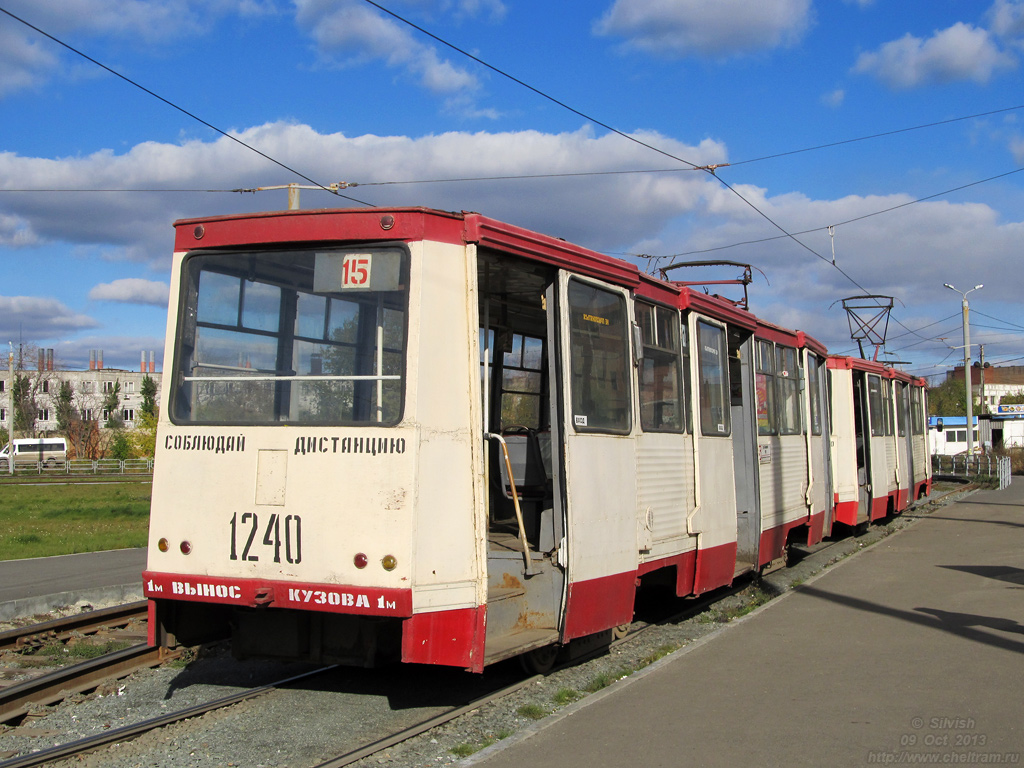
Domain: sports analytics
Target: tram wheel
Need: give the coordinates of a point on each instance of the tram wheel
(539, 661)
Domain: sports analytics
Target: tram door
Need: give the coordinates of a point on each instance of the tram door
(863, 440)
(744, 447)
(525, 580)
(905, 445)
(596, 363)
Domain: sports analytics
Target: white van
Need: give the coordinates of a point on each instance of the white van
(48, 450)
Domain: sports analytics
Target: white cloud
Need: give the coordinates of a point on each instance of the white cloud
(707, 27)
(137, 226)
(132, 290)
(16, 232)
(1006, 19)
(24, 63)
(1017, 148)
(908, 253)
(44, 318)
(960, 52)
(350, 32)
(834, 98)
(119, 352)
(27, 59)
(128, 19)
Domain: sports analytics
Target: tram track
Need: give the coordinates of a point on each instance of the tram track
(83, 746)
(20, 699)
(392, 748)
(116, 617)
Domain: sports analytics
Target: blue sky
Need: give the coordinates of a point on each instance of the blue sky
(338, 90)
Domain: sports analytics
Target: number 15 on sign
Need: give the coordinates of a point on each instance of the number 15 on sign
(356, 271)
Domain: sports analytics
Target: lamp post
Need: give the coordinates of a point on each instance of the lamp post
(10, 408)
(967, 365)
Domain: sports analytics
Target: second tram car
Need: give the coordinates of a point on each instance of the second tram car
(880, 456)
(406, 434)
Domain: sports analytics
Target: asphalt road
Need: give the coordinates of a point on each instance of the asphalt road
(70, 573)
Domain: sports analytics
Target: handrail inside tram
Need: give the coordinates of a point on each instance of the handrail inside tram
(515, 500)
(294, 377)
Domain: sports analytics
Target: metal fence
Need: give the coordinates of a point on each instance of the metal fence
(82, 467)
(962, 465)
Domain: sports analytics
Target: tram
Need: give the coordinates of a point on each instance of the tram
(881, 460)
(412, 435)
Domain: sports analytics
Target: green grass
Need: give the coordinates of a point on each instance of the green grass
(79, 651)
(565, 696)
(44, 520)
(603, 680)
(532, 711)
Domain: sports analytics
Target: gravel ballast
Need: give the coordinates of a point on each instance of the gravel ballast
(337, 711)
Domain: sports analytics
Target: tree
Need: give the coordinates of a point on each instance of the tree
(23, 400)
(1015, 399)
(148, 392)
(65, 409)
(143, 437)
(121, 446)
(950, 399)
(112, 405)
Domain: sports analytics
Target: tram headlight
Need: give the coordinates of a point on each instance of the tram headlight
(186, 547)
(389, 562)
(360, 560)
(163, 545)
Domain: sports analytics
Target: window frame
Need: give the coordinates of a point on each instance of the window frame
(723, 427)
(876, 414)
(581, 416)
(765, 389)
(188, 325)
(814, 397)
(671, 356)
(790, 419)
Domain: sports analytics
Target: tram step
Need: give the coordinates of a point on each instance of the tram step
(494, 594)
(506, 646)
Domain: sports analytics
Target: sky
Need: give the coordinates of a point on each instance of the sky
(887, 135)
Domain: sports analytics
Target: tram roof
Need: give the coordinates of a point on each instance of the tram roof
(409, 224)
(843, 362)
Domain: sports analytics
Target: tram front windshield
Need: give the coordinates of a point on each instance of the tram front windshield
(297, 337)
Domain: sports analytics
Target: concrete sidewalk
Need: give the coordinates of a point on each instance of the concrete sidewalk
(28, 587)
(910, 652)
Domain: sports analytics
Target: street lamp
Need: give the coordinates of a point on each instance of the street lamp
(967, 366)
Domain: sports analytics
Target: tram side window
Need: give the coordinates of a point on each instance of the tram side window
(599, 346)
(916, 411)
(713, 383)
(887, 394)
(662, 407)
(902, 406)
(814, 389)
(788, 379)
(292, 337)
(765, 383)
(875, 404)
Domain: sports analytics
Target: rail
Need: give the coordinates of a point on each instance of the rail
(979, 464)
(78, 624)
(82, 467)
(17, 700)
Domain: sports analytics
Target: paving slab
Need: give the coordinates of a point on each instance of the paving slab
(912, 651)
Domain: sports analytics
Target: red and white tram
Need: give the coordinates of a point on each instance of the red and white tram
(434, 437)
(880, 457)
